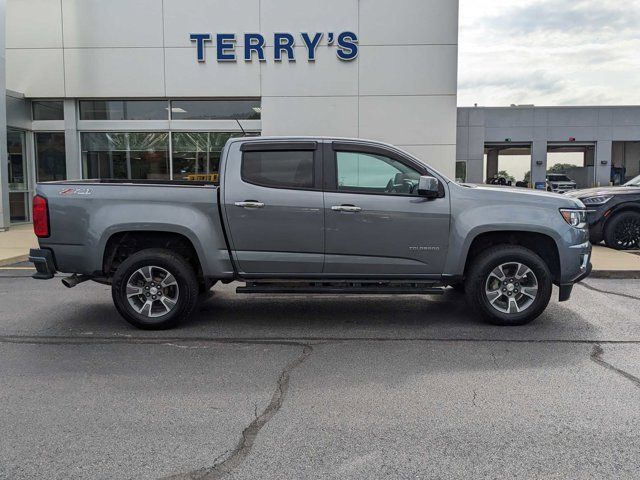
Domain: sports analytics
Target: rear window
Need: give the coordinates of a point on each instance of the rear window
(279, 169)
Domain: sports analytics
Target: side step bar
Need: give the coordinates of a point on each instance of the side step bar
(341, 288)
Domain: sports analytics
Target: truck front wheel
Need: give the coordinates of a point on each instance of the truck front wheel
(154, 289)
(509, 285)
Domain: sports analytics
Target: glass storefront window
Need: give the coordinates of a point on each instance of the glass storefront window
(48, 110)
(18, 207)
(18, 175)
(196, 155)
(123, 110)
(19, 193)
(132, 155)
(216, 109)
(50, 157)
(461, 172)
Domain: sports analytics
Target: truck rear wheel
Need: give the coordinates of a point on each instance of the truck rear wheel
(154, 289)
(509, 285)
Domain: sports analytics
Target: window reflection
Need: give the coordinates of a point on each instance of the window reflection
(196, 155)
(50, 157)
(216, 109)
(132, 155)
(123, 110)
(48, 110)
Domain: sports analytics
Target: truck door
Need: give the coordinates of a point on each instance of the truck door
(273, 203)
(376, 224)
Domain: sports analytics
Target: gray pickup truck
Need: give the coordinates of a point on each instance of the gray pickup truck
(312, 216)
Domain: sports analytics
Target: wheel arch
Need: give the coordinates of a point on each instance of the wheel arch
(123, 243)
(618, 209)
(542, 244)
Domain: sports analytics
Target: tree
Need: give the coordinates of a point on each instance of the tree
(527, 177)
(561, 168)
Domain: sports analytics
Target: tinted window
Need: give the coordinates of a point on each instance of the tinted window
(123, 110)
(50, 157)
(368, 173)
(279, 169)
(215, 109)
(47, 110)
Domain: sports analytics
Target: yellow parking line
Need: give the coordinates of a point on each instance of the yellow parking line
(17, 268)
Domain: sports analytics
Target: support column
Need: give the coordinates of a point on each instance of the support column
(492, 163)
(4, 161)
(474, 170)
(71, 145)
(604, 151)
(538, 154)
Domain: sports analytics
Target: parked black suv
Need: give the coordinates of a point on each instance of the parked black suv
(613, 214)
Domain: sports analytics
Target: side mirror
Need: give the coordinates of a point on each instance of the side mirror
(429, 187)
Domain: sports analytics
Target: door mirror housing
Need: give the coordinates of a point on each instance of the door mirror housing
(429, 187)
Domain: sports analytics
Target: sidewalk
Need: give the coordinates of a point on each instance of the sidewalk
(15, 244)
(607, 263)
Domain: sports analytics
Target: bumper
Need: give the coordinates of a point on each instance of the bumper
(578, 264)
(43, 261)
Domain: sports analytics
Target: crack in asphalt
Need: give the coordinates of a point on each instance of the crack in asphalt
(606, 292)
(596, 356)
(250, 433)
(229, 460)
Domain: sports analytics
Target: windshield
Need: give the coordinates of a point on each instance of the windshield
(559, 178)
(633, 183)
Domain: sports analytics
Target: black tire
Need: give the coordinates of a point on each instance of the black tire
(480, 273)
(623, 231)
(185, 294)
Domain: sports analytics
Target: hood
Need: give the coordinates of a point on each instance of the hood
(524, 195)
(595, 192)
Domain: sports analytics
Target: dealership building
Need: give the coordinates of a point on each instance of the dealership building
(152, 89)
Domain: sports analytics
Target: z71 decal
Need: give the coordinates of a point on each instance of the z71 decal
(75, 191)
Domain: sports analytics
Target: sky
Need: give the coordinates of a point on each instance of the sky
(549, 52)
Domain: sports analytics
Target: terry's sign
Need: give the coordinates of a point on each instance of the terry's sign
(346, 44)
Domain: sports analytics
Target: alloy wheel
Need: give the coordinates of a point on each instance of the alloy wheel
(511, 288)
(627, 234)
(152, 291)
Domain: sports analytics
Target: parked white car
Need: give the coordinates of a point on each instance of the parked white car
(560, 183)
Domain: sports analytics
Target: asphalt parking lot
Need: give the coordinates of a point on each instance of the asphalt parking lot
(318, 387)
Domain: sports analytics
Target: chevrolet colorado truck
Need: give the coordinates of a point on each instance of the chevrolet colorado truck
(311, 216)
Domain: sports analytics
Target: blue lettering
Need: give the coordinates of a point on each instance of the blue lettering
(347, 46)
(253, 42)
(226, 47)
(312, 44)
(284, 42)
(200, 38)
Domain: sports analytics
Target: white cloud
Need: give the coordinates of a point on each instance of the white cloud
(549, 52)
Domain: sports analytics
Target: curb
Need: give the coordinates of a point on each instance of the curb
(616, 274)
(10, 261)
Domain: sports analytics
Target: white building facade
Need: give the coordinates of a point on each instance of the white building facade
(153, 88)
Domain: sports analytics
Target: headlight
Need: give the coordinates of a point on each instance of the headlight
(596, 201)
(575, 218)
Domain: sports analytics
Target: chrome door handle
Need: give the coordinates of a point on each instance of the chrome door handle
(249, 204)
(346, 208)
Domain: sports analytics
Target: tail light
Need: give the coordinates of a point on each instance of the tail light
(40, 217)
